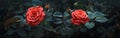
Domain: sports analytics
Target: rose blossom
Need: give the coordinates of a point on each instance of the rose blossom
(35, 15)
(79, 17)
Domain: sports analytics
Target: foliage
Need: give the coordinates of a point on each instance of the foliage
(57, 22)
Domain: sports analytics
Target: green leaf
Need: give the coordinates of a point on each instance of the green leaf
(95, 14)
(58, 21)
(49, 12)
(79, 5)
(67, 22)
(92, 8)
(90, 25)
(98, 14)
(66, 14)
(17, 12)
(36, 2)
(49, 15)
(57, 14)
(91, 15)
(101, 19)
(48, 27)
(49, 18)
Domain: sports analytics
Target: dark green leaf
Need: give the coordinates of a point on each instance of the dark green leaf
(49, 15)
(10, 32)
(48, 27)
(92, 8)
(79, 5)
(101, 29)
(98, 14)
(38, 32)
(50, 18)
(17, 12)
(101, 19)
(95, 14)
(28, 28)
(90, 25)
(21, 32)
(66, 14)
(49, 12)
(57, 28)
(28, 4)
(66, 31)
(67, 22)
(57, 14)
(23, 21)
(36, 2)
(91, 15)
(13, 25)
(58, 21)
(30, 34)
(83, 29)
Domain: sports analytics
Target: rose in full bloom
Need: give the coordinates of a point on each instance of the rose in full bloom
(79, 17)
(34, 15)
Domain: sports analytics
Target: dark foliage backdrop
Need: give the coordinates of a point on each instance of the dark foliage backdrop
(104, 18)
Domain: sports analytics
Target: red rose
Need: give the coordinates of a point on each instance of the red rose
(35, 15)
(79, 17)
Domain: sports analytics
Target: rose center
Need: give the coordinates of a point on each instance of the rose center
(34, 14)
